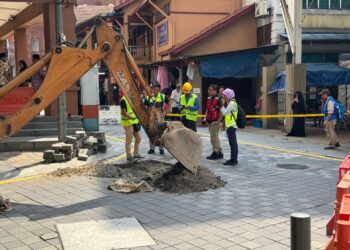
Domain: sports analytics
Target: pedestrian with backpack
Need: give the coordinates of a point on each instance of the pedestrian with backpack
(213, 117)
(230, 111)
(330, 119)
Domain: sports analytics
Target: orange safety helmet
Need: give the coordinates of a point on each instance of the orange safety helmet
(187, 88)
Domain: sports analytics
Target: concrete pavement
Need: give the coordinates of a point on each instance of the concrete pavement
(251, 212)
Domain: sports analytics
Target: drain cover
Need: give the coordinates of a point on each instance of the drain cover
(292, 166)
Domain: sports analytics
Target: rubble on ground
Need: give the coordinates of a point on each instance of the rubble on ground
(82, 145)
(144, 176)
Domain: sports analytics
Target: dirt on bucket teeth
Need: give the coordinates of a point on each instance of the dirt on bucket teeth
(162, 176)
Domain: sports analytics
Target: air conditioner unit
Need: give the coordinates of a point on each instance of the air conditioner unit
(261, 9)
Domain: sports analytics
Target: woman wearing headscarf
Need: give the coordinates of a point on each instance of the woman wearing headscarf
(230, 113)
(298, 107)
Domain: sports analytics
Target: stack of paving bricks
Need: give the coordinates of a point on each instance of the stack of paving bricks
(82, 145)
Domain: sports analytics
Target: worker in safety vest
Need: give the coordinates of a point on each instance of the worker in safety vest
(230, 113)
(157, 99)
(132, 128)
(189, 107)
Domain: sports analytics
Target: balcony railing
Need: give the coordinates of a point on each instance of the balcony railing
(140, 52)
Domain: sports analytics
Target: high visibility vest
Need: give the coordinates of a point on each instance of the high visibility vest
(230, 119)
(159, 99)
(189, 114)
(125, 120)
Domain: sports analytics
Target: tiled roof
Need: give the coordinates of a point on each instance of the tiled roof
(85, 12)
(208, 31)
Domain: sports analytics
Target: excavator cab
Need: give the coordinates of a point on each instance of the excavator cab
(67, 65)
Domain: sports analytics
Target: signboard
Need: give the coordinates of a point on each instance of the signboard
(162, 34)
(196, 90)
(109, 115)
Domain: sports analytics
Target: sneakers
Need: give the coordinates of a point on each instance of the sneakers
(337, 145)
(230, 163)
(161, 151)
(151, 152)
(130, 159)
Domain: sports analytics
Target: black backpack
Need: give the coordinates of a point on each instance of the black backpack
(241, 117)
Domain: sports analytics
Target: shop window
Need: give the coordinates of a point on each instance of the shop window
(324, 4)
(345, 5)
(335, 4)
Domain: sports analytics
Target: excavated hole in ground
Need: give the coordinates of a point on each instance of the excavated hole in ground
(161, 176)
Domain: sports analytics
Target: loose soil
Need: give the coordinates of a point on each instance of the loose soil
(166, 178)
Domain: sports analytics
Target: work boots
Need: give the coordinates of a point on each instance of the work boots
(215, 156)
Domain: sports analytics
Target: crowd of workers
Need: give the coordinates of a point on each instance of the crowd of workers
(222, 110)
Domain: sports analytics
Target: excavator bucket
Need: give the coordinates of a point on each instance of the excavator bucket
(184, 144)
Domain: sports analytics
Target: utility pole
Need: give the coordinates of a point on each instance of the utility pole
(62, 106)
(292, 15)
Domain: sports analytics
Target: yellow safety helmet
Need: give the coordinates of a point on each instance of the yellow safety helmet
(187, 88)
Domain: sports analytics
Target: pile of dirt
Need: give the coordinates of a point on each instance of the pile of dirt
(166, 178)
(183, 182)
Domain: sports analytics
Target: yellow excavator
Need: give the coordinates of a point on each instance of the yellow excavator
(66, 65)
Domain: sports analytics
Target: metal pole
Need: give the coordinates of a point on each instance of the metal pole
(62, 107)
(300, 228)
(298, 16)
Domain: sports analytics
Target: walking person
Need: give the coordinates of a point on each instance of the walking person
(189, 107)
(330, 119)
(132, 128)
(213, 117)
(175, 101)
(157, 99)
(230, 112)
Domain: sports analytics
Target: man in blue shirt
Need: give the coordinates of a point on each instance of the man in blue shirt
(330, 119)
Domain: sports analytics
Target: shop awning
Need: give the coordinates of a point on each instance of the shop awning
(10, 9)
(322, 36)
(317, 74)
(245, 64)
(279, 84)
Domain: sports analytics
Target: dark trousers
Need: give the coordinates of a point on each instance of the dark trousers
(232, 139)
(189, 124)
(175, 111)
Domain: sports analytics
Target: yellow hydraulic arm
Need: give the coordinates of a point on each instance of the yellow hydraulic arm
(67, 65)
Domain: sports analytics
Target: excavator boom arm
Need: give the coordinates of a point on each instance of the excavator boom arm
(68, 65)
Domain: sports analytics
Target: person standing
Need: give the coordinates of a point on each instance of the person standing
(22, 67)
(4, 70)
(157, 99)
(132, 128)
(330, 119)
(175, 101)
(38, 78)
(230, 112)
(189, 107)
(213, 117)
(298, 107)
